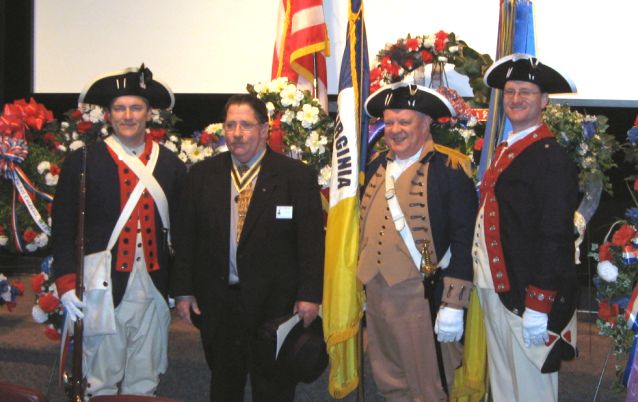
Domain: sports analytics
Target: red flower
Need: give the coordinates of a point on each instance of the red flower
(636, 121)
(18, 284)
(636, 185)
(48, 302)
(374, 86)
(443, 120)
(206, 138)
(52, 333)
(386, 61)
(412, 44)
(76, 114)
(623, 235)
(608, 313)
(54, 169)
(426, 57)
(83, 126)
(29, 235)
(375, 74)
(1, 230)
(157, 134)
(393, 69)
(49, 208)
(408, 64)
(478, 144)
(604, 252)
(441, 35)
(48, 137)
(37, 281)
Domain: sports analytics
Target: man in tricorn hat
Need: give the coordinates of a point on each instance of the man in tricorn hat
(524, 239)
(415, 240)
(131, 189)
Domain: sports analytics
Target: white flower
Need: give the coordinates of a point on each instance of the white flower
(222, 148)
(442, 59)
(316, 143)
(31, 247)
(271, 108)
(277, 85)
(259, 87)
(582, 148)
(61, 148)
(428, 40)
(472, 121)
(183, 157)
(171, 146)
(51, 179)
(44, 166)
(173, 138)
(104, 131)
(324, 176)
(39, 315)
(76, 145)
(453, 49)
(41, 240)
(64, 125)
(466, 133)
(3, 240)
(92, 113)
(208, 152)
(155, 116)
(75, 135)
(607, 271)
(287, 117)
(188, 146)
(291, 96)
(197, 154)
(214, 128)
(308, 115)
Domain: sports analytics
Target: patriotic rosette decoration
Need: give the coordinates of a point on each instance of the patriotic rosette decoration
(9, 291)
(25, 194)
(406, 60)
(47, 310)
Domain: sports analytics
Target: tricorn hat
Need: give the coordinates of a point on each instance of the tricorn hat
(129, 82)
(405, 95)
(303, 355)
(524, 67)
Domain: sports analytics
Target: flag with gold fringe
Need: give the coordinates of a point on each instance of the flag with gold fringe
(343, 294)
(302, 45)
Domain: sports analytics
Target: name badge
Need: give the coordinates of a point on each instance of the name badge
(284, 212)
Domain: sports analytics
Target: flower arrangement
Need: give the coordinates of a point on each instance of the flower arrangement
(399, 60)
(403, 60)
(9, 292)
(48, 309)
(202, 145)
(306, 127)
(586, 139)
(28, 136)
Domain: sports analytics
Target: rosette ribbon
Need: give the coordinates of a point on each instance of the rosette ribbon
(593, 188)
(14, 151)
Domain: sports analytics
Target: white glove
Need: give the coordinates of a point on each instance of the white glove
(449, 324)
(72, 305)
(534, 328)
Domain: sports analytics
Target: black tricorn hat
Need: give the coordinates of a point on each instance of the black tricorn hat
(303, 355)
(524, 67)
(129, 82)
(405, 95)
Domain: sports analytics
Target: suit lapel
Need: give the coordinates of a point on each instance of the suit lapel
(220, 190)
(264, 187)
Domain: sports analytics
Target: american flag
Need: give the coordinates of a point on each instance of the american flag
(301, 32)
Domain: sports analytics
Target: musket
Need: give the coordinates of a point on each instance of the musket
(75, 382)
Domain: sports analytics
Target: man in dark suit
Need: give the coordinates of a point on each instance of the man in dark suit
(250, 252)
(524, 239)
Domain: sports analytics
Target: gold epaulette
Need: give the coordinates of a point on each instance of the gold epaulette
(456, 159)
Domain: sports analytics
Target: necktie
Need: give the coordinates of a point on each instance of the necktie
(243, 201)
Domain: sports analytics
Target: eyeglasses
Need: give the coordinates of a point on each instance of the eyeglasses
(244, 126)
(522, 93)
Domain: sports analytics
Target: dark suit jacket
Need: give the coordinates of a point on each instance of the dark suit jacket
(537, 197)
(103, 209)
(279, 261)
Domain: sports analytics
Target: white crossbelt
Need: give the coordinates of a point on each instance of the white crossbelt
(402, 227)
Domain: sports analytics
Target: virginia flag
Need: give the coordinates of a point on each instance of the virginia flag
(301, 32)
(343, 294)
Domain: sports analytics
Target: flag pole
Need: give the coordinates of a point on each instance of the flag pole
(315, 80)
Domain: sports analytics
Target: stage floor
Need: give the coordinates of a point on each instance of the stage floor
(28, 358)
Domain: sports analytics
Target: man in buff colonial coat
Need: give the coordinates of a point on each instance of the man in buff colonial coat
(417, 214)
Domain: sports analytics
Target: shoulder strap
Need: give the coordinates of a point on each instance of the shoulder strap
(145, 175)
